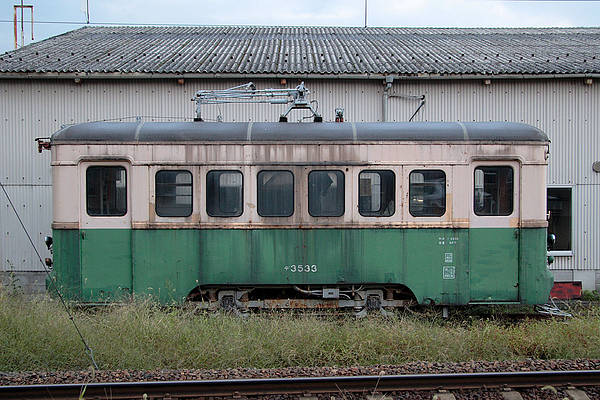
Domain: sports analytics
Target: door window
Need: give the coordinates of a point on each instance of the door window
(493, 190)
(106, 191)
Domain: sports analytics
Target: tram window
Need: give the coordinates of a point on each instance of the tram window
(173, 191)
(224, 193)
(106, 191)
(376, 193)
(326, 193)
(427, 193)
(275, 193)
(560, 222)
(493, 191)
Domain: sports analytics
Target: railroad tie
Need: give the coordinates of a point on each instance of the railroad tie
(511, 395)
(378, 397)
(443, 396)
(576, 394)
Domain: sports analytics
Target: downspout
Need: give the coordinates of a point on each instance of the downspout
(386, 96)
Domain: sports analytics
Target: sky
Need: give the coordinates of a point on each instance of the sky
(50, 15)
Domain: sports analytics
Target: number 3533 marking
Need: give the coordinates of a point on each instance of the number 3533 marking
(301, 268)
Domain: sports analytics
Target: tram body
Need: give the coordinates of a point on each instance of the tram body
(311, 215)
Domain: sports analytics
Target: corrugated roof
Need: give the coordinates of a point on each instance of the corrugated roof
(311, 50)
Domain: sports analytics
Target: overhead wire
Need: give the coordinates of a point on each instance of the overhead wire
(116, 23)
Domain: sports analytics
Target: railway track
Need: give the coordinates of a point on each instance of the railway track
(304, 387)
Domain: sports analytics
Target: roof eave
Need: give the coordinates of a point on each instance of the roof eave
(364, 76)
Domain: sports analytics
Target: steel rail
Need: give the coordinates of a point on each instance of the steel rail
(310, 385)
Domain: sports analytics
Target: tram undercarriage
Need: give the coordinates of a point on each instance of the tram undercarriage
(358, 299)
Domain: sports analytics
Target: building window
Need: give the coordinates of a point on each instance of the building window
(560, 222)
(173, 193)
(427, 193)
(224, 196)
(493, 191)
(376, 193)
(275, 193)
(106, 191)
(326, 193)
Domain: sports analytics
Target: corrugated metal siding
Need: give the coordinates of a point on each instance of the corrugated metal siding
(586, 252)
(565, 109)
(34, 205)
(24, 107)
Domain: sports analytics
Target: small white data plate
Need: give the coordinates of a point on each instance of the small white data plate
(449, 272)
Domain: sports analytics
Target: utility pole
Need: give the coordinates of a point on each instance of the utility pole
(365, 13)
(22, 7)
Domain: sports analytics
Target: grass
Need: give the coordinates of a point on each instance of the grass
(36, 335)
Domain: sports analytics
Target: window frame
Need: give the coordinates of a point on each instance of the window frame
(191, 184)
(444, 197)
(87, 209)
(394, 195)
(514, 201)
(565, 253)
(258, 191)
(241, 212)
(343, 180)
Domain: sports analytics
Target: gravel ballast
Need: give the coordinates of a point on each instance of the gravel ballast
(88, 376)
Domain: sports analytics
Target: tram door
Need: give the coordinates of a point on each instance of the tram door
(105, 231)
(494, 234)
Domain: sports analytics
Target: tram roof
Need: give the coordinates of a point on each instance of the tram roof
(148, 132)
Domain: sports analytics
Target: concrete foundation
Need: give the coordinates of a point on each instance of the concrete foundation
(26, 282)
(590, 279)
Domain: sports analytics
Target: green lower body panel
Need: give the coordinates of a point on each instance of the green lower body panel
(106, 273)
(495, 252)
(441, 266)
(67, 263)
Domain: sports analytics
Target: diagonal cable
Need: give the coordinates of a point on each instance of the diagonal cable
(88, 349)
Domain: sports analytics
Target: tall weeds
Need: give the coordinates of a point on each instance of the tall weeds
(36, 335)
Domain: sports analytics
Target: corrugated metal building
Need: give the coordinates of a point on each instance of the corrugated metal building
(545, 77)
